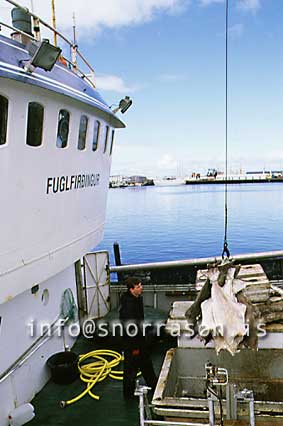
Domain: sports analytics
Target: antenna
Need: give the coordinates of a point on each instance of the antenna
(75, 46)
(54, 21)
(74, 29)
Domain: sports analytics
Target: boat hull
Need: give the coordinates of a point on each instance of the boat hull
(46, 225)
(30, 335)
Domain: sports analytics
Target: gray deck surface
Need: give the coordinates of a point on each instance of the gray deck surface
(110, 410)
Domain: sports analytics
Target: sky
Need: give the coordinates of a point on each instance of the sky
(169, 57)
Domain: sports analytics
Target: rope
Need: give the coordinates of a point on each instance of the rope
(225, 244)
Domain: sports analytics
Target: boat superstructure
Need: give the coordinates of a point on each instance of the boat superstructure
(56, 142)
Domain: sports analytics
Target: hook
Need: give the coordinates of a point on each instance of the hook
(226, 251)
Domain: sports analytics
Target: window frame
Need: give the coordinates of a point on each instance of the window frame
(28, 123)
(98, 123)
(83, 148)
(62, 120)
(4, 124)
(112, 141)
(106, 137)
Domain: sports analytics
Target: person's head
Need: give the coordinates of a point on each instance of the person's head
(134, 286)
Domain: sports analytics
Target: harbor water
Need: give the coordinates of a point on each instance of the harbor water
(179, 222)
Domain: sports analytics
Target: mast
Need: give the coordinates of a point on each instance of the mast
(75, 46)
(74, 29)
(54, 20)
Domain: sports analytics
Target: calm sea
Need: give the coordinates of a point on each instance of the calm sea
(181, 222)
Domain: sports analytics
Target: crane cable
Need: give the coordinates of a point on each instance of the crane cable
(226, 251)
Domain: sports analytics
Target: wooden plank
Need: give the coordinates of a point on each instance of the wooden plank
(274, 328)
(262, 421)
(258, 291)
(258, 287)
(248, 271)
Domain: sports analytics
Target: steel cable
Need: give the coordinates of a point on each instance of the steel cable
(225, 244)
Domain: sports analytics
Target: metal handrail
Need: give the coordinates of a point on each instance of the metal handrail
(59, 34)
(194, 262)
(17, 30)
(33, 348)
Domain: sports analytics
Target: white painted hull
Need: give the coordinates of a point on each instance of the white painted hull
(169, 182)
(23, 316)
(44, 231)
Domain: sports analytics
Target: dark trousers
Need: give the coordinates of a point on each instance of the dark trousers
(134, 363)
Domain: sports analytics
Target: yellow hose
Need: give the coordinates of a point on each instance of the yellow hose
(95, 371)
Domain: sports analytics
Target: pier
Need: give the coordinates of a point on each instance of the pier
(232, 180)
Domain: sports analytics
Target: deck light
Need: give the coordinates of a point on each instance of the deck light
(124, 105)
(45, 56)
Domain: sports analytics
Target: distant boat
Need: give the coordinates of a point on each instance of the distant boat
(215, 177)
(169, 181)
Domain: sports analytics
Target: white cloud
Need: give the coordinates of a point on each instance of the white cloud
(236, 31)
(209, 2)
(167, 162)
(113, 83)
(172, 77)
(249, 5)
(106, 13)
(93, 16)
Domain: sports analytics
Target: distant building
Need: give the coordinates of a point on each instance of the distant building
(264, 173)
(137, 179)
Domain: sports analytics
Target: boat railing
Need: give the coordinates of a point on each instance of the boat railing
(89, 76)
(203, 261)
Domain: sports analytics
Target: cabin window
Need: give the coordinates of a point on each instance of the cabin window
(112, 141)
(3, 119)
(35, 124)
(82, 132)
(96, 130)
(106, 138)
(63, 128)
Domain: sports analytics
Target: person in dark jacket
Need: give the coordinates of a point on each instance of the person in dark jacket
(136, 353)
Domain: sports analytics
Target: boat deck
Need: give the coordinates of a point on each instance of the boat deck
(110, 410)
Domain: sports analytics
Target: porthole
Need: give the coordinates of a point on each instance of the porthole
(63, 128)
(45, 297)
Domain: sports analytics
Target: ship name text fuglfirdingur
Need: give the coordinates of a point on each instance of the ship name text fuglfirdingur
(67, 183)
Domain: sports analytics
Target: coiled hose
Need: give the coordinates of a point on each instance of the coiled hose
(96, 371)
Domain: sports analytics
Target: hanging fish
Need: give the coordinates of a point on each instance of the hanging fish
(225, 317)
(222, 312)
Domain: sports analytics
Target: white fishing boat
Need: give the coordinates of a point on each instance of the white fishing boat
(56, 142)
(169, 181)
